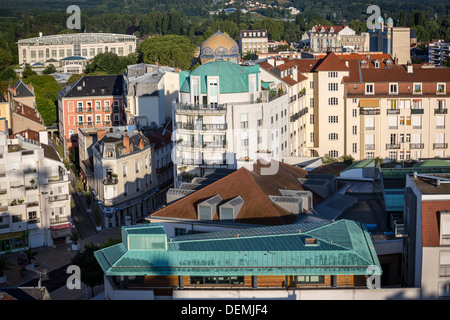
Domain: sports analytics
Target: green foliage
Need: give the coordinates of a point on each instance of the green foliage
(110, 63)
(49, 69)
(46, 107)
(5, 265)
(28, 72)
(347, 159)
(74, 78)
(91, 272)
(172, 50)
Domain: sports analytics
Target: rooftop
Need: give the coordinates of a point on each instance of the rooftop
(90, 86)
(428, 183)
(342, 247)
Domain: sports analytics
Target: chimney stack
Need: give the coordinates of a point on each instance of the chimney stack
(100, 134)
(126, 143)
(141, 144)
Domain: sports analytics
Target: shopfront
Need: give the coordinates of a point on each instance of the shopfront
(60, 232)
(13, 241)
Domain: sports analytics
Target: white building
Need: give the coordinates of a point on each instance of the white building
(149, 91)
(34, 195)
(225, 119)
(82, 45)
(438, 52)
(124, 182)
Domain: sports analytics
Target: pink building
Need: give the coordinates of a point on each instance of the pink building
(91, 101)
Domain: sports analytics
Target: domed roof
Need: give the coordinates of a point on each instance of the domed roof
(219, 44)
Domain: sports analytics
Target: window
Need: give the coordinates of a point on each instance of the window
(333, 136)
(393, 88)
(125, 170)
(180, 232)
(333, 154)
(310, 279)
(332, 74)
(354, 130)
(98, 119)
(332, 119)
(369, 89)
(311, 119)
(311, 102)
(311, 84)
(225, 280)
(311, 137)
(370, 155)
(333, 86)
(440, 88)
(333, 101)
(354, 113)
(136, 165)
(354, 147)
(417, 88)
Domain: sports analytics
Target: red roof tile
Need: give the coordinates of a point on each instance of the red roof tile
(331, 63)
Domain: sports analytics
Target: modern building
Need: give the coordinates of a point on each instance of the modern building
(35, 198)
(269, 262)
(149, 91)
(335, 38)
(438, 52)
(427, 221)
(225, 118)
(254, 41)
(124, 179)
(219, 46)
(86, 45)
(89, 102)
(395, 41)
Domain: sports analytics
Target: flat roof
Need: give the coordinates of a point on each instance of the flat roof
(428, 185)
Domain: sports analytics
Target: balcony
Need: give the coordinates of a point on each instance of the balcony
(370, 112)
(393, 127)
(416, 111)
(417, 127)
(393, 146)
(110, 181)
(59, 220)
(440, 145)
(200, 108)
(61, 197)
(440, 111)
(369, 128)
(416, 145)
(107, 109)
(393, 111)
(369, 147)
(210, 127)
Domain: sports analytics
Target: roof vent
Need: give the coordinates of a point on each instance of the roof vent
(311, 242)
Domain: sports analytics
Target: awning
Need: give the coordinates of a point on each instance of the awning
(369, 103)
(61, 226)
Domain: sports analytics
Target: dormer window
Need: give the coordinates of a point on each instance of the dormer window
(230, 210)
(417, 88)
(393, 88)
(440, 88)
(376, 64)
(208, 208)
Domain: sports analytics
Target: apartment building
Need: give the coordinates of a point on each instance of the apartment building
(34, 195)
(427, 220)
(149, 92)
(91, 101)
(81, 45)
(124, 181)
(225, 119)
(397, 112)
(335, 38)
(313, 256)
(438, 52)
(256, 41)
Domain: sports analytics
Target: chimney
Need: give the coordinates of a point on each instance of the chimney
(30, 86)
(43, 136)
(141, 144)
(126, 143)
(177, 70)
(346, 63)
(409, 67)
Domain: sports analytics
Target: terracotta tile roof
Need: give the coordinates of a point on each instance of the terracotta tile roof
(419, 74)
(306, 65)
(331, 63)
(327, 29)
(289, 80)
(254, 189)
(27, 112)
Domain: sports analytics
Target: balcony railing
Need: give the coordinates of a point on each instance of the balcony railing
(440, 111)
(59, 220)
(200, 108)
(391, 146)
(370, 128)
(416, 111)
(61, 197)
(369, 146)
(417, 127)
(369, 111)
(393, 111)
(440, 145)
(110, 181)
(416, 145)
(192, 126)
(442, 126)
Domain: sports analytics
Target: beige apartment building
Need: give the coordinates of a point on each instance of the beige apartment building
(123, 177)
(367, 106)
(256, 41)
(82, 45)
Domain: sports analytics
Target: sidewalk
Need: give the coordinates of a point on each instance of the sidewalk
(54, 258)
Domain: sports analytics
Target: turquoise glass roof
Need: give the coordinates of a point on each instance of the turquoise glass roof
(342, 247)
(233, 78)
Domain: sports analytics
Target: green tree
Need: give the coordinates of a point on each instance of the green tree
(402, 19)
(172, 50)
(47, 109)
(28, 72)
(74, 78)
(110, 63)
(91, 272)
(49, 69)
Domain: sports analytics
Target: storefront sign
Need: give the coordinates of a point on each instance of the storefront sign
(11, 235)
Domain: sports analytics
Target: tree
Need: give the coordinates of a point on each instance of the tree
(28, 72)
(75, 77)
(172, 50)
(91, 272)
(47, 109)
(49, 69)
(110, 63)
